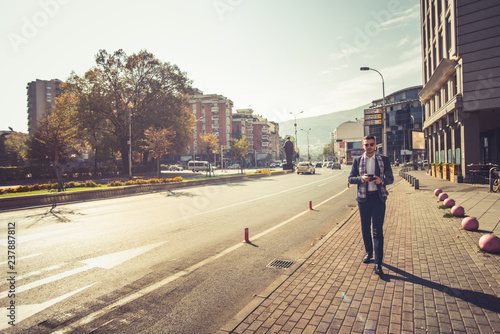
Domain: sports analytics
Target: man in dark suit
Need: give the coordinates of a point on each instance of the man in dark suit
(372, 172)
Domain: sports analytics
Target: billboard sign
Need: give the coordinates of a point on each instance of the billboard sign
(418, 140)
(373, 122)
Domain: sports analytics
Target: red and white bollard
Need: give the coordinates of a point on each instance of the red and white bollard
(310, 205)
(246, 236)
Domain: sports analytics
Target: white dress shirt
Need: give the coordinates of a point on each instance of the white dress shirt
(370, 169)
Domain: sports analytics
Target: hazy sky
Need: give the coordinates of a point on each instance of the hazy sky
(277, 56)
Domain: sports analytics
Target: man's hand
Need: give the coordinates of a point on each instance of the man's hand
(377, 179)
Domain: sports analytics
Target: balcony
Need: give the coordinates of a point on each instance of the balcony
(215, 125)
(215, 117)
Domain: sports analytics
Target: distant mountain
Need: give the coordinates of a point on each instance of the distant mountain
(321, 128)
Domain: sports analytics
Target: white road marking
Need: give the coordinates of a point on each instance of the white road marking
(25, 238)
(24, 257)
(38, 272)
(26, 311)
(106, 262)
(258, 198)
(132, 297)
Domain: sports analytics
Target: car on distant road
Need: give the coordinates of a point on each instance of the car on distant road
(336, 165)
(305, 168)
(234, 166)
(175, 168)
(319, 165)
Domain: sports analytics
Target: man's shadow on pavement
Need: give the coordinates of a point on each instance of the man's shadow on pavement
(483, 300)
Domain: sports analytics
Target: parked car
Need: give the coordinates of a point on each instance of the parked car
(305, 168)
(329, 164)
(175, 168)
(234, 166)
(336, 165)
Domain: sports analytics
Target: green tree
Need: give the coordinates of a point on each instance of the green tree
(158, 142)
(55, 138)
(138, 89)
(329, 150)
(92, 124)
(15, 146)
(239, 150)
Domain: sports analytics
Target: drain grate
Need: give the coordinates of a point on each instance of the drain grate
(280, 264)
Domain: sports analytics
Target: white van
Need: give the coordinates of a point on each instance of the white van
(199, 166)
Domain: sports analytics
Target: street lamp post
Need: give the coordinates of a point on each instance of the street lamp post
(130, 144)
(295, 124)
(384, 134)
(308, 156)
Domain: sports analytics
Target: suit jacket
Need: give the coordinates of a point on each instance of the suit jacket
(387, 178)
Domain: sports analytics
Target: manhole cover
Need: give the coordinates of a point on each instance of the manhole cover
(280, 264)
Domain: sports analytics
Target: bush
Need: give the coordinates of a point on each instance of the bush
(115, 184)
(89, 184)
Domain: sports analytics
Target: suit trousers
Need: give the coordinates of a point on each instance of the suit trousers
(372, 212)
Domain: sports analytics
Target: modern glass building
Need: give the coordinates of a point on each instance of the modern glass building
(404, 116)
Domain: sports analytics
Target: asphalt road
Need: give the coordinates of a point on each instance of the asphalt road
(166, 262)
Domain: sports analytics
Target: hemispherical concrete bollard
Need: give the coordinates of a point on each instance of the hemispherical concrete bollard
(449, 202)
(457, 211)
(442, 196)
(437, 191)
(490, 243)
(470, 223)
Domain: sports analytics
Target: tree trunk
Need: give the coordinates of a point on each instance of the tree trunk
(95, 161)
(124, 153)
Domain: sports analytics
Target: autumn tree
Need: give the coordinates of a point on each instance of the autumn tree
(158, 142)
(139, 90)
(239, 150)
(210, 144)
(54, 139)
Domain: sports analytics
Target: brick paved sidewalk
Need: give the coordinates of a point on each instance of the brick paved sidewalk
(436, 280)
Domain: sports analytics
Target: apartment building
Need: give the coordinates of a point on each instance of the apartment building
(213, 114)
(41, 96)
(261, 134)
(461, 76)
(403, 117)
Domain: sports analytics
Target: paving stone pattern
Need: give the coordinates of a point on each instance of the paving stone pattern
(436, 279)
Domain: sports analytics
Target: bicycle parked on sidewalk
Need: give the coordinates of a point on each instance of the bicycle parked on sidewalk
(495, 178)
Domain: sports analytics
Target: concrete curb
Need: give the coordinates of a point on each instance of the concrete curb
(64, 197)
